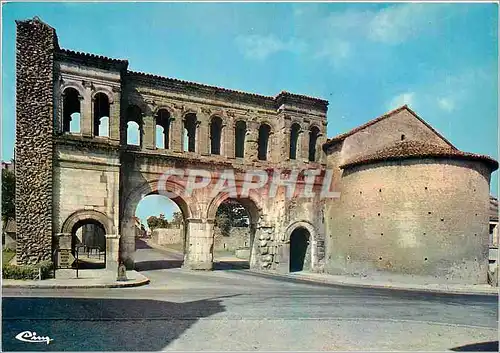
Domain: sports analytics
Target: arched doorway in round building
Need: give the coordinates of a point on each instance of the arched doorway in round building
(235, 224)
(88, 244)
(159, 224)
(300, 250)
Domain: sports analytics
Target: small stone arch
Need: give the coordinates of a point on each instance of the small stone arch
(166, 107)
(298, 224)
(265, 120)
(286, 244)
(75, 85)
(82, 215)
(105, 91)
(188, 111)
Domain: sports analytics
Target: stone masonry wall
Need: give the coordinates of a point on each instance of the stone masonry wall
(35, 46)
(164, 236)
(387, 132)
(239, 237)
(436, 226)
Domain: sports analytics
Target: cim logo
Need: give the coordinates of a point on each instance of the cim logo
(31, 337)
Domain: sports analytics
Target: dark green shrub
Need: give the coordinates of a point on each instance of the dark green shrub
(42, 270)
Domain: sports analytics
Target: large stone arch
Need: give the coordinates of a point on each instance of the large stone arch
(254, 206)
(83, 215)
(132, 199)
(252, 203)
(129, 204)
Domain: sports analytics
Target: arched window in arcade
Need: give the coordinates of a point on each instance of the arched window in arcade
(134, 126)
(71, 110)
(294, 138)
(240, 131)
(190, 124)
(215, 135)
(313, 141)
(264, 132)
(101, 115)
(163, 129)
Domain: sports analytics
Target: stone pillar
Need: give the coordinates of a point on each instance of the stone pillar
(199, 247)
(304, 142)
(286, 138)
(203, 135)
(228, 140)
(114, 115)
(149, 132)
(176, 132)
(112, 251)
(495, 236)
(282, 257)
(86, 124)
(252, 141)
(266, 251)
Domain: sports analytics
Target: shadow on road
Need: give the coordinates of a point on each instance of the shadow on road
(141, 244)
(478, 347)
(157, 265)
(84, 324)
(231, 265)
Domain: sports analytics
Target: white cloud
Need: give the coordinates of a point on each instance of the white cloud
(402, 99)
(336, 51)
(365, 33)
(398, 23)
(446, 104)
(260, 47)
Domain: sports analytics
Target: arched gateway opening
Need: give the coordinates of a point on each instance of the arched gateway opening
(233, 235)
(300, 254)
(87, 230)
(159, 224)
(88, 244)
(132, 232)
(235, 224)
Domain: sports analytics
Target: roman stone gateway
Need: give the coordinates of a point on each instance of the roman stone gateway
(77, 113)
(93, 138)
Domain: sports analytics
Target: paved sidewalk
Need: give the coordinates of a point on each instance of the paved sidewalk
(86, 279)
(418, 284)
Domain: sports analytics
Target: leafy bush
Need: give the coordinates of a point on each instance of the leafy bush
(41, 270)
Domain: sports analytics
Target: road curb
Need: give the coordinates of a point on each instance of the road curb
(493, 292)
(137, 283)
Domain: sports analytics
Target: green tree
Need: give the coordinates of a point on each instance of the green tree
(231, 214)
(157, 222)
(8, 195)
(177, 219)
(153, 222)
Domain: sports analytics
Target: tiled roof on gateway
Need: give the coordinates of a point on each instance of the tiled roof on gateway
(82, 56)
(417, 150)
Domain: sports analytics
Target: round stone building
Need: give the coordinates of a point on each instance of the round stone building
(413, 208)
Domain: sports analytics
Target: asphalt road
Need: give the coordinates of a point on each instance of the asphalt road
(238, 310)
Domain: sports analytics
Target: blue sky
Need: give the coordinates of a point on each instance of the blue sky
(366, 59)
